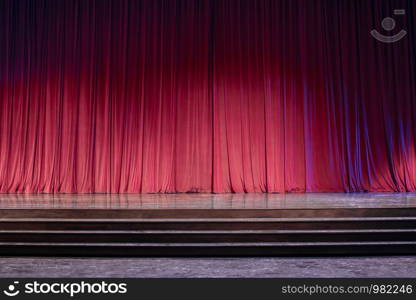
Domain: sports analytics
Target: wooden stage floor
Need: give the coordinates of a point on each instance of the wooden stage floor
(207, 224)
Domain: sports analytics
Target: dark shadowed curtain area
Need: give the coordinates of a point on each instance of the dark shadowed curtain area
(206, 96)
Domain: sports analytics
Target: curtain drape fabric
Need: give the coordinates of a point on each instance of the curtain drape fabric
(206, 96)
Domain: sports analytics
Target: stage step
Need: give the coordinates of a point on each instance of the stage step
(208, 232)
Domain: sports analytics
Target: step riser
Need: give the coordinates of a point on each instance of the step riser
(249, 225)
(204, 238)
(207, 251)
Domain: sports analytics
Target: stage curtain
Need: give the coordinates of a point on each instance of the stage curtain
(206, 96)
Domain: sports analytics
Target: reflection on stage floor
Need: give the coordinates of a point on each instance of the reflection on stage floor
(207, 201)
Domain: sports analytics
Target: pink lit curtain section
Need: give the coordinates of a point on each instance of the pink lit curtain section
(206, 96)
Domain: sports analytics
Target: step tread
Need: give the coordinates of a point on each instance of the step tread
(210, 209)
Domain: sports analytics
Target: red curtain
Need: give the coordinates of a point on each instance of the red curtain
(206, 96)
